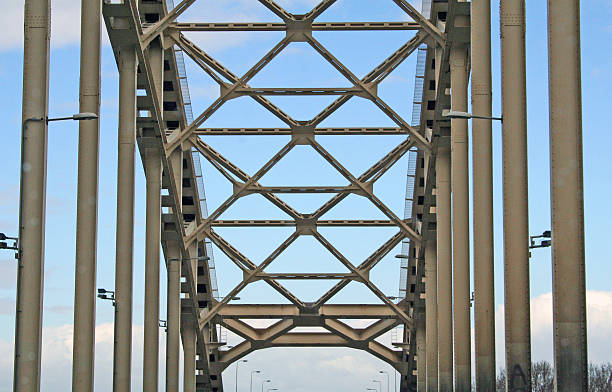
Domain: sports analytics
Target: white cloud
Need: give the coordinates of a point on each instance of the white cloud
(599, 328)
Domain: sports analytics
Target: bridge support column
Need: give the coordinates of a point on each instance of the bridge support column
(189, 357)
(484, 295)
(569, 296)
(152, 261)
(431, 315)
(444, 258)
(173, 321)
(461, 223)
(122, 357)
(421, 362)
(28, 325)
(516, 219)
(87, 201)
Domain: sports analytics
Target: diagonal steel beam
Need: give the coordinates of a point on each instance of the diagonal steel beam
(226, 94)
(373, 96)
(319, 9)
(382, 165)
(365, 279)
(152, 32)
(423, 21)
(367, 265)
(249, 277)
(247, 265)
(211, 155)
(207, 63)
(410, 232)
(238, 192)
(277, 10)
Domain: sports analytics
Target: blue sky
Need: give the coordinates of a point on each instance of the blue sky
(238, 51)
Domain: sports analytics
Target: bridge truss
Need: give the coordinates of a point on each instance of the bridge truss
(155, 114)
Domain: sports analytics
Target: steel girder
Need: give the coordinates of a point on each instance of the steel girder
(124, 23)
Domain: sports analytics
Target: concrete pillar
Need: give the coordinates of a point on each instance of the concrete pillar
(482, 158)
(445, 284)
(152, 261)
(87, 201)
(431, 315)
(28, 323)
(516, 219)
(173, 320)
(122, 358)
(188, 334)
(421, 358)
(569, 297)
(461, 223)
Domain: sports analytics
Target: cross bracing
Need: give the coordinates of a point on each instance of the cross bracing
(452, 39)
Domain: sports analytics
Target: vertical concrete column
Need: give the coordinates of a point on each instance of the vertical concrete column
(28, 323)
(124, 269)
(173, 320)
(482, 164)
(461, 223)
(188, 334)
(445, 274)
(516, 219)
(431, 315)
(421, 356)
(87, 202)
(569, 296)
(152, 261)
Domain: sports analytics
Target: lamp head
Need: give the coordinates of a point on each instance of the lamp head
(84, 116)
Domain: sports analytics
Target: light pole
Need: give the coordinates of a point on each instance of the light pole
(238, 363)
(379, 384)
(263, 383)
(253, 372)
(384, 372)
(467, 116)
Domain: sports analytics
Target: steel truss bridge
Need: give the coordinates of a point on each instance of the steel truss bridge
(453, 41)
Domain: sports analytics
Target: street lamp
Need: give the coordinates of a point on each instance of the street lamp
(238, 363)
(76, 117)
(107, 295)
(14, 246)
(263, 383)
(384, 372)
(466, 116)
(545, 243)
(253, 372)
(379, 384)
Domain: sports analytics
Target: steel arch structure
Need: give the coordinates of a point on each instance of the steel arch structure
(155, 115)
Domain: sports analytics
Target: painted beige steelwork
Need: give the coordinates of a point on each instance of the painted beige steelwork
(433, 355)
(567, 199)
(30, 273)
(516, 219)
(482, 179)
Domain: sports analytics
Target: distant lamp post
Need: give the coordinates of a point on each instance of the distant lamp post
(5, 245)
(263, 383)
(545, 241)
(466, 116)
(238, 363)
(163, 324)
(107, 295)
(253, 372)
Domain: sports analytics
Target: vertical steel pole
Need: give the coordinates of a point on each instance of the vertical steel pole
(151, 303)
(28, 320)
(461, 224)
(188, 335)
(173, 320)
(444, 257)
(482, 163)
(87, 202)
(569, 296)
(516, 219)
(122, 357)
(431, 315)
(421, 355)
